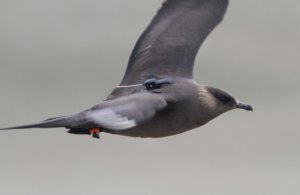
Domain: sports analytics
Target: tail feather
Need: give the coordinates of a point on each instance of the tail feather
(48, 123)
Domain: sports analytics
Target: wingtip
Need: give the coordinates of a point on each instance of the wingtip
(22, 127)
(10, 128)
(7, 128)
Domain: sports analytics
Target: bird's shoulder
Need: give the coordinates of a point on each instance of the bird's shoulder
(178, 90)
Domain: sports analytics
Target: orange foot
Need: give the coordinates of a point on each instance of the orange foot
(95, 132)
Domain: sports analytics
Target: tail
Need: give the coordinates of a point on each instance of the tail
(64, 121)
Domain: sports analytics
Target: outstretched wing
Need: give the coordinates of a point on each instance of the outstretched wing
(170, 43)
(125, 112)
(118, 114)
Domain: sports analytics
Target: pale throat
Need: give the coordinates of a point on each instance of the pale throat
(206, 98)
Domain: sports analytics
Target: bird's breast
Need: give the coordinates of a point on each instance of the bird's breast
(170, 121)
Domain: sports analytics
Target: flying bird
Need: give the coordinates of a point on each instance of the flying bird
(157, 96)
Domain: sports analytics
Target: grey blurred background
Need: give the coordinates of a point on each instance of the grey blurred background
(58, 57)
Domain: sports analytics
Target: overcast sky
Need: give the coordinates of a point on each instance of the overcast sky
(59, 57)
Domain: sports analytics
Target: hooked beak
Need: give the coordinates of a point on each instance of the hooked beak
(243, 106)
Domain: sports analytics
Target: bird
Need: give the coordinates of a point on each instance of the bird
(158, 96)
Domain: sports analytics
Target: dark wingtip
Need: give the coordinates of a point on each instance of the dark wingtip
(18, 127)
(9, 128)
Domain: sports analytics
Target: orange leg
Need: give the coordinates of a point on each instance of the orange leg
(95, 132)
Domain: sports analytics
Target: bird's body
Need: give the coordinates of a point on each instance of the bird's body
(158, 96)
(182, 112)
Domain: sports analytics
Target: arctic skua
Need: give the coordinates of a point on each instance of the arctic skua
(157, 96)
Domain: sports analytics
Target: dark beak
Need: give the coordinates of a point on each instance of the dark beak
(244, 106)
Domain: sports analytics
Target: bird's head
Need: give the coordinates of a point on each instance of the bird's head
(218, 101)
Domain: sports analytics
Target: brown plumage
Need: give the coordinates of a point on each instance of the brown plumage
(157, 96)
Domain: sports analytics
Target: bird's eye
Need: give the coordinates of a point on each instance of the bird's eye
(224, 99)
